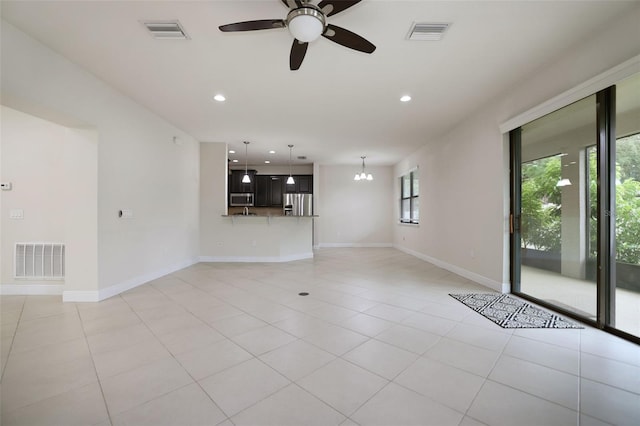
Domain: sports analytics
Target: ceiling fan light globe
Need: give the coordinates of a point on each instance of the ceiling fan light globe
(305, 24)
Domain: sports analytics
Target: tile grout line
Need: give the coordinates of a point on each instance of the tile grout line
(93, 363)
(13, 337)
(175, 359)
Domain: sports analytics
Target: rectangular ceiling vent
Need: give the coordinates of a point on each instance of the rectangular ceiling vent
(427, 31)
(166, 30)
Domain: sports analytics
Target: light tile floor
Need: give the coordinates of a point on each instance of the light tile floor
(377, 341)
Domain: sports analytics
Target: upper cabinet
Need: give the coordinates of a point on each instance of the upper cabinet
(268, 190)
(303, 185)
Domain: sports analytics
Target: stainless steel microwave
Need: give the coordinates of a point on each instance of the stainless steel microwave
(244, 199)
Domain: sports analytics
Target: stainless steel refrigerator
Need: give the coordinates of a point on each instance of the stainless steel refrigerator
(298, 204)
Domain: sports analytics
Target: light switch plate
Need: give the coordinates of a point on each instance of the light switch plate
(5, 186)
(16, 214)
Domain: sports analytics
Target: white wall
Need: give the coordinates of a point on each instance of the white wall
(139, 167)
(354, 213)
(53, 172)
(464, 174)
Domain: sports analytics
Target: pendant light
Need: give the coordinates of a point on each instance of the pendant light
(362, 175)
(246, 178)
(290, 180)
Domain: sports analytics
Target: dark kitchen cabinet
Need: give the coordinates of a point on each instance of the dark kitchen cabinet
(236, 185)
(303, 185)
(269, 190)
(263, 191)
(276, 190)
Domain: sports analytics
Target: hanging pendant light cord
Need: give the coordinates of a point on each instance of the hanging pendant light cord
(290, 180)
(246, 150)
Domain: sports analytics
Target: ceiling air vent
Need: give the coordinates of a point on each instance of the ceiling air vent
(166, 30)
(302, 157)
(427, 31)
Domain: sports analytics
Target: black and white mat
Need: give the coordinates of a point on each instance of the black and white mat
(510, 312)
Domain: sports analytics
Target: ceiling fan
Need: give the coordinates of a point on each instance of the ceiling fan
(307, 22)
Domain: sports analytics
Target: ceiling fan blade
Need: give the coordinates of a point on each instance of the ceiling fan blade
(331, 7)
(263, 24)
(348, 39)
(298, 50)
(292, 4)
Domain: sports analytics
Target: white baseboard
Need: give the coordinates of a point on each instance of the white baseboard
(256, 259)
(355, 245)
(105, 293)
(31, 289)
(487, 282)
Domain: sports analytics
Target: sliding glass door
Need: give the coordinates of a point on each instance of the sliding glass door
(554, 212)
(575, 213)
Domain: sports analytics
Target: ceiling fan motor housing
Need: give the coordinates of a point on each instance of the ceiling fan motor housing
(306, 23)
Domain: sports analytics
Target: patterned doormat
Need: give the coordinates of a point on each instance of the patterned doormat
(510, 312)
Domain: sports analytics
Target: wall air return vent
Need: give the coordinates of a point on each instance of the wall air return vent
(166, 30)
(43, 261)
(427, 31)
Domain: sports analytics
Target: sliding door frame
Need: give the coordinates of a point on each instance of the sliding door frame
(606, 231)
(606, 170)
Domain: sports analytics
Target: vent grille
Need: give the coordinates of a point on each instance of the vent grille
(44, 261)
(166, 30)
(427, 31)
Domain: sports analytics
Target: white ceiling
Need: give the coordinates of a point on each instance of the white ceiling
(341, 104)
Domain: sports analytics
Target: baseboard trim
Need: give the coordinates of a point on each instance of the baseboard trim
(354, 245)
(105, 293)
(31, 289)
(480, 279)
(256, 259)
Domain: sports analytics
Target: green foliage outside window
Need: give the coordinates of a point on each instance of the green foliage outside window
(541, 202)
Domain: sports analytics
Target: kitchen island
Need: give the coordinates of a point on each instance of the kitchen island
(261, 238)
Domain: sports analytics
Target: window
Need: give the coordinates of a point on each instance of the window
(409, 202)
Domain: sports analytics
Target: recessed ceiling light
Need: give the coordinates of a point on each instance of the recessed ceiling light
(234, 161)
(405, 98)
(231, 151)
(272, 152)
(219, 98)
(267, 162)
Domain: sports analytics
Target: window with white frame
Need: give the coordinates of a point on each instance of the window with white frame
(409, 201)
